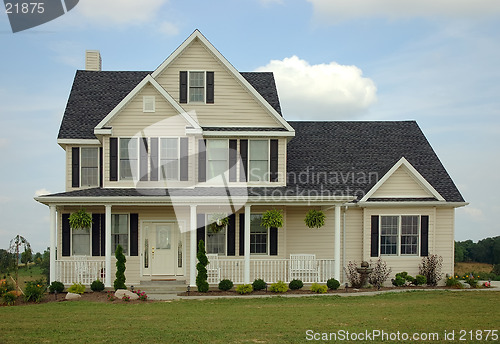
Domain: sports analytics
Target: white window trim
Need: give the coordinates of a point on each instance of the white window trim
(98, 168)
(207, 160)
(158, 163)
(134, 178)
(204, 87)
(398, 243)
(128, 233)
(268, 173)
(267, 241)
(146, 100)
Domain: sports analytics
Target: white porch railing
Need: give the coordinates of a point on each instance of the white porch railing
(82, 271)
(270, 270)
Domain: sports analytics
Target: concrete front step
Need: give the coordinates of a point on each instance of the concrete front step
(162, 287)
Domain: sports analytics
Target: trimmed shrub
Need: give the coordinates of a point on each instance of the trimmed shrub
(34, 290)
(120, 269)
(278, 287)
(352, 274)
(295, 284)
(77, 288)
(97, 285)
(398, 281)
(244, 289)
(225, 284)
(201, 277)
(380, 273)
(56, 286)
(259, 284)
(9, 298)
(318, 288)
(333, 284)
(431, 268)
(420, 280)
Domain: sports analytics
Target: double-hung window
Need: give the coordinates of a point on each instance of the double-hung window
(258, 235)
(119, 232)
(169, 158)
(259, 160)
(196, 86)
(399, 235)
(216, 242)
(217, 157)
(89, 164)
(129, 154)
(80, 242)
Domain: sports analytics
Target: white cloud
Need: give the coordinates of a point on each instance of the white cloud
(168, 28)
(342, 10)
(271, 2)
(4, 199)
(120, 11)
(475, 213)
(3, 142)
(42, 192)
(322, 91)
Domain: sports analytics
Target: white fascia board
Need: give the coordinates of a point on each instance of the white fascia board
(411, 204)
(78, 142)
(415, 174)
(250, 133)
(131, 95)
(197, 34)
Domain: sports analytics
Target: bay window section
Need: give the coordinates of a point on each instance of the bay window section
(80, 242)
(119, 232)
(89, 164)
(399, 235)
(169, 158)
(258, 235)
(259, 160)
(196, 86)
(129, 154)
(217, 158)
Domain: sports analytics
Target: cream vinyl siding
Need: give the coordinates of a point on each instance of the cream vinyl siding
(444, 238)
(401, 184)
(233, 106)
(353, 234)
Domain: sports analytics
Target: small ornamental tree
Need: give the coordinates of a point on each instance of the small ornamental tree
(431, 268)
(120, 268)
(201, 277)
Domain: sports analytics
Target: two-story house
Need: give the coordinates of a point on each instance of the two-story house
(154, 155)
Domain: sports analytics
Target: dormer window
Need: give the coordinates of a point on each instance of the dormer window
(148, 104)
(196, 87)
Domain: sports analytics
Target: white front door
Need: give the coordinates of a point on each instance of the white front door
(162, 242)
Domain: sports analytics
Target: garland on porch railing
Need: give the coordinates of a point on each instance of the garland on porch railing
(272, 218)
(315, 219)
(218, 222)
(80, 220)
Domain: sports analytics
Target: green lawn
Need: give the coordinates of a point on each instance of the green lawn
(270, 320)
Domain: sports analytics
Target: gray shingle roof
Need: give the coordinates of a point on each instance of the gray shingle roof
(94, 94)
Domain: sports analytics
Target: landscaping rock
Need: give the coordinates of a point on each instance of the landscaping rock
(72, 296)
(124, 292)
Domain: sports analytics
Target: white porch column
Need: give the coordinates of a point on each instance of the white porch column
(336, 252)
(53, 231)
(192, 246)
(246, 275)
(107, 278)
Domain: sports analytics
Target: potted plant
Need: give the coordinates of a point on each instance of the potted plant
(80, 220)
(315, 218)
(218, 222)
(272, 219)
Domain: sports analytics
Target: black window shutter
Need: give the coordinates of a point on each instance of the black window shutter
(242, 234)
(66, 236)
(143, 148)
(75, 167)
(183, 77)
(424, 233)
(96, 235)
(134, 234)
(374, 239)
(232, 159)
(184, 160)
(101, 167)
(244, 160)
(200, 229)
(202, 161)
(273, 163)
(154, 159)
(113, 159)
(210, 87)
(273, 241)
(231, 235)
(103, 234)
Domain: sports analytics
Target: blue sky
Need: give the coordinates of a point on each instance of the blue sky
(434, 62)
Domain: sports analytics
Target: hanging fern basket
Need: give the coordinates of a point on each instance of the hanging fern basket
(218, 222)
(80, 220)
(315, 219)
(272, 219)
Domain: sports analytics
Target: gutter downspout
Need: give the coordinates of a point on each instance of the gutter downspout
(343, 246)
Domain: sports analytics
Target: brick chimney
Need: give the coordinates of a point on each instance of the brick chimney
(93, 60)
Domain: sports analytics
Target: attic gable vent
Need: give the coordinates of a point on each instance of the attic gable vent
(148, 104)
(93, 60)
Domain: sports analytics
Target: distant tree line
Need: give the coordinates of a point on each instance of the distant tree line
(484, 251)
